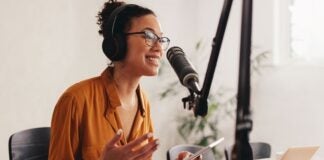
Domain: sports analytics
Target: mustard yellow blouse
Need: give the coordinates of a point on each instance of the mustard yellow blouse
(85, 119)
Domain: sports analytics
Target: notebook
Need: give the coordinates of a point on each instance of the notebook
(299, 153)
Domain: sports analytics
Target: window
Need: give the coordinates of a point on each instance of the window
(299, 30)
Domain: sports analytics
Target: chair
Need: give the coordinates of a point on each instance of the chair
(173, 152)
(31, 144)
(260, 150)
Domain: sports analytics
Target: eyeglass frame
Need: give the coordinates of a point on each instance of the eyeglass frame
(147, 38)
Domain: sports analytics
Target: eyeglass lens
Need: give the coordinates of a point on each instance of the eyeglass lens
(151, 38)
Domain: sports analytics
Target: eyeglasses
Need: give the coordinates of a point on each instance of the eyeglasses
(151, 38)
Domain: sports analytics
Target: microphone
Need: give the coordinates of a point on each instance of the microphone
(183, 68)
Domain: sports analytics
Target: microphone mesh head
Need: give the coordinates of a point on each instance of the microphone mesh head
(172, 52)
(181, 65)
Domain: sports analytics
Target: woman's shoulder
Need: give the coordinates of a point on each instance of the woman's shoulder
(84, 86)
(90, 84)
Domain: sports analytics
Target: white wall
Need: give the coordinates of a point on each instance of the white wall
(288, 107)
(47, 46)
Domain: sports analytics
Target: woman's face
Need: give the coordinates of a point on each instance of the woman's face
(143, 59)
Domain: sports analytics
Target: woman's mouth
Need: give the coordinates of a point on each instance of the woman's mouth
(155, 60)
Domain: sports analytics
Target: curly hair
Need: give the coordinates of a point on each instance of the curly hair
(124, 18)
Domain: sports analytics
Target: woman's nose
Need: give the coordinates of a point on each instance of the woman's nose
(158, 46)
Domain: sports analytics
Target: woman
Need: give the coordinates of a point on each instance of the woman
(108, 117)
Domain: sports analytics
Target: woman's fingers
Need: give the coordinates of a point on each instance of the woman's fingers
(113, 142)
(145, 152)
(147, 148)
(111, 150)
(138, 141)
(184, 154)
(135, 150)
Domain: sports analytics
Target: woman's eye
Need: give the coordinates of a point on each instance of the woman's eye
(163, 39)
(150, 35)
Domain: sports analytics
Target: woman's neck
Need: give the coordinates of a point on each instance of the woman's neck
(127, 84)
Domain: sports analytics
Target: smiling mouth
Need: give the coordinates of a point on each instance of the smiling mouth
(153, 60)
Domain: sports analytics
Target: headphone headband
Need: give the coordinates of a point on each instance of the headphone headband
(114, 16)
(114, 45)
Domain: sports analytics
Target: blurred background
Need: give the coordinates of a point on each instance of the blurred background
(46, 46)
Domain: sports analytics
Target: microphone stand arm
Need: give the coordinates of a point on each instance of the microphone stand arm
(201, 108)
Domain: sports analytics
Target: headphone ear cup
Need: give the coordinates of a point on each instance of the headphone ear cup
(115, 48)
(121, 46)
(114, 44)
(108, 48)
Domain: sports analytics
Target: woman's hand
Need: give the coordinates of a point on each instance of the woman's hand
(184, 154)
(131, 151)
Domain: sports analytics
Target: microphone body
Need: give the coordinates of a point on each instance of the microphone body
(183, 68)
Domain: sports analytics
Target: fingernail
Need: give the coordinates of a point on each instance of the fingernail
(157, 142)
(149, 135)
(119, 132)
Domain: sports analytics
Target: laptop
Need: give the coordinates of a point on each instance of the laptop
(299, 153)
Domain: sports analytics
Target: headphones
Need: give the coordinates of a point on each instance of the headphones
(114, 44)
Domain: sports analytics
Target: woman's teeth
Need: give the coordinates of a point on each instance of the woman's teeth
(154, 60)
